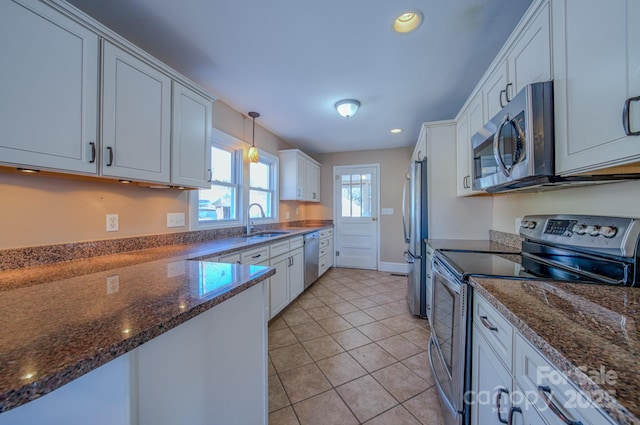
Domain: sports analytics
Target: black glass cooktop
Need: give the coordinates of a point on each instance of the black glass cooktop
(466, 263)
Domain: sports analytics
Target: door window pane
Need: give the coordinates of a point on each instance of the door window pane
(356, 195)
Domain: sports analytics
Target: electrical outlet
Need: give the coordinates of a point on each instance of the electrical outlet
(297, 211)
(113, 284)
(287, 215)
(112, 222)
(175, 219)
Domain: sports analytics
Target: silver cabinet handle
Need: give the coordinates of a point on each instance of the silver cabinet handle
(626, 119)
(93, 152)
(511, 412)
(110, 150)
(487, 324)
(545, 392)
(500, 97)
(498, 407)
(506, 92)
(210, 176)
(256, 256)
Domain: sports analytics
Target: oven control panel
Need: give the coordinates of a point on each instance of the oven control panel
(610, 235)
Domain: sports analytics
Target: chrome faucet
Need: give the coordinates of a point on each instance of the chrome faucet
(250, 225)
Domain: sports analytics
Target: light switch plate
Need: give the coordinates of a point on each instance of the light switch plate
(387, 211)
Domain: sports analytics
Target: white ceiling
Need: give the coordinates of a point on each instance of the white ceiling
(291, 60)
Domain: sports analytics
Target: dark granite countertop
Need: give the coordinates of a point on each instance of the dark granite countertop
(65, 319)
(580, 328)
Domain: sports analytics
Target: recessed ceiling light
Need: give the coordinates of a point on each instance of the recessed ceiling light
(395, 130)
(407, 21)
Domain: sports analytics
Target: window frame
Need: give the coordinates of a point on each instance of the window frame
(274, 168)
(223, 141)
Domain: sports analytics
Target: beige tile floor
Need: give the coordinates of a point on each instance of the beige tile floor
(348, 351)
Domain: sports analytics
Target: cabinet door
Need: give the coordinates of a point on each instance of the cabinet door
(491, 384)
(530, 58)
(279, 289)
(495, 90)
(296, 273)
(469, 123)
(301, 182)
(596, 58)
(463, 147)
(49, 86)
(191, 138)
(136, 118)
(312, 182)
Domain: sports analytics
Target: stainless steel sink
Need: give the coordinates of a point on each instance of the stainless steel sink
(266, 234)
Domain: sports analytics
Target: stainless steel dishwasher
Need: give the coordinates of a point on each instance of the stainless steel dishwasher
(311, 257)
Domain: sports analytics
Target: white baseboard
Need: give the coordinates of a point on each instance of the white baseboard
(393, 267)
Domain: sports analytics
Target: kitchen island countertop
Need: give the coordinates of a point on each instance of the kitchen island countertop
(63, 320)
(580, 328)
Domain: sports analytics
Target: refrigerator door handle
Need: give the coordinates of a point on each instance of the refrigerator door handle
(407, 232)
(408, 257)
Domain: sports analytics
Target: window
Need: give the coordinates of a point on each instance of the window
(356, 195)
(263, 178)
(220, 203)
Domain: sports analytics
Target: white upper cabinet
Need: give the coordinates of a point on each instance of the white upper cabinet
(136, 118)
(191, 136)
(49, 86)
(469, 122)
(299, 176)
(596, 50)
(527, 60)
(312, 181)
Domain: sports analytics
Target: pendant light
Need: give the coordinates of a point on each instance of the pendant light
(253, 151)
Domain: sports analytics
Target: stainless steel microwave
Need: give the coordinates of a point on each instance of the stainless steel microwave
(516, 147)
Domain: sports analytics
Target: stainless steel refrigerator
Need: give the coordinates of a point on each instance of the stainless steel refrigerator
(416, 230)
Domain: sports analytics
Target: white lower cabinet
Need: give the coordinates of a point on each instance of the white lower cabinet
(288, 282)
(326, 253)
(512, 382)
(279, 291)
(211, 369)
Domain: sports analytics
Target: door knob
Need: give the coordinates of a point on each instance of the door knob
(374, 218)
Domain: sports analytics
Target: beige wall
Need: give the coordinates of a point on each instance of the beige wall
(393, 168)
(617, 199)
(46, 208)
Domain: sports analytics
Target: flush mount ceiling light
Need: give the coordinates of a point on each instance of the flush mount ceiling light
(407, 22)
(395, 130)
(347, 107)
(253, 151)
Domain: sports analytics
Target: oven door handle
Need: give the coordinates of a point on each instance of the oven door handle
(443, 396)
(448, 279)
(585, 273)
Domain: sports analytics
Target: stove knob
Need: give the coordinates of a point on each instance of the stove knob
(608, 231)
(579, 229)
(593, 230)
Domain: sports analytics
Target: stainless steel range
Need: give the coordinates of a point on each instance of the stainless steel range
(583, 249)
